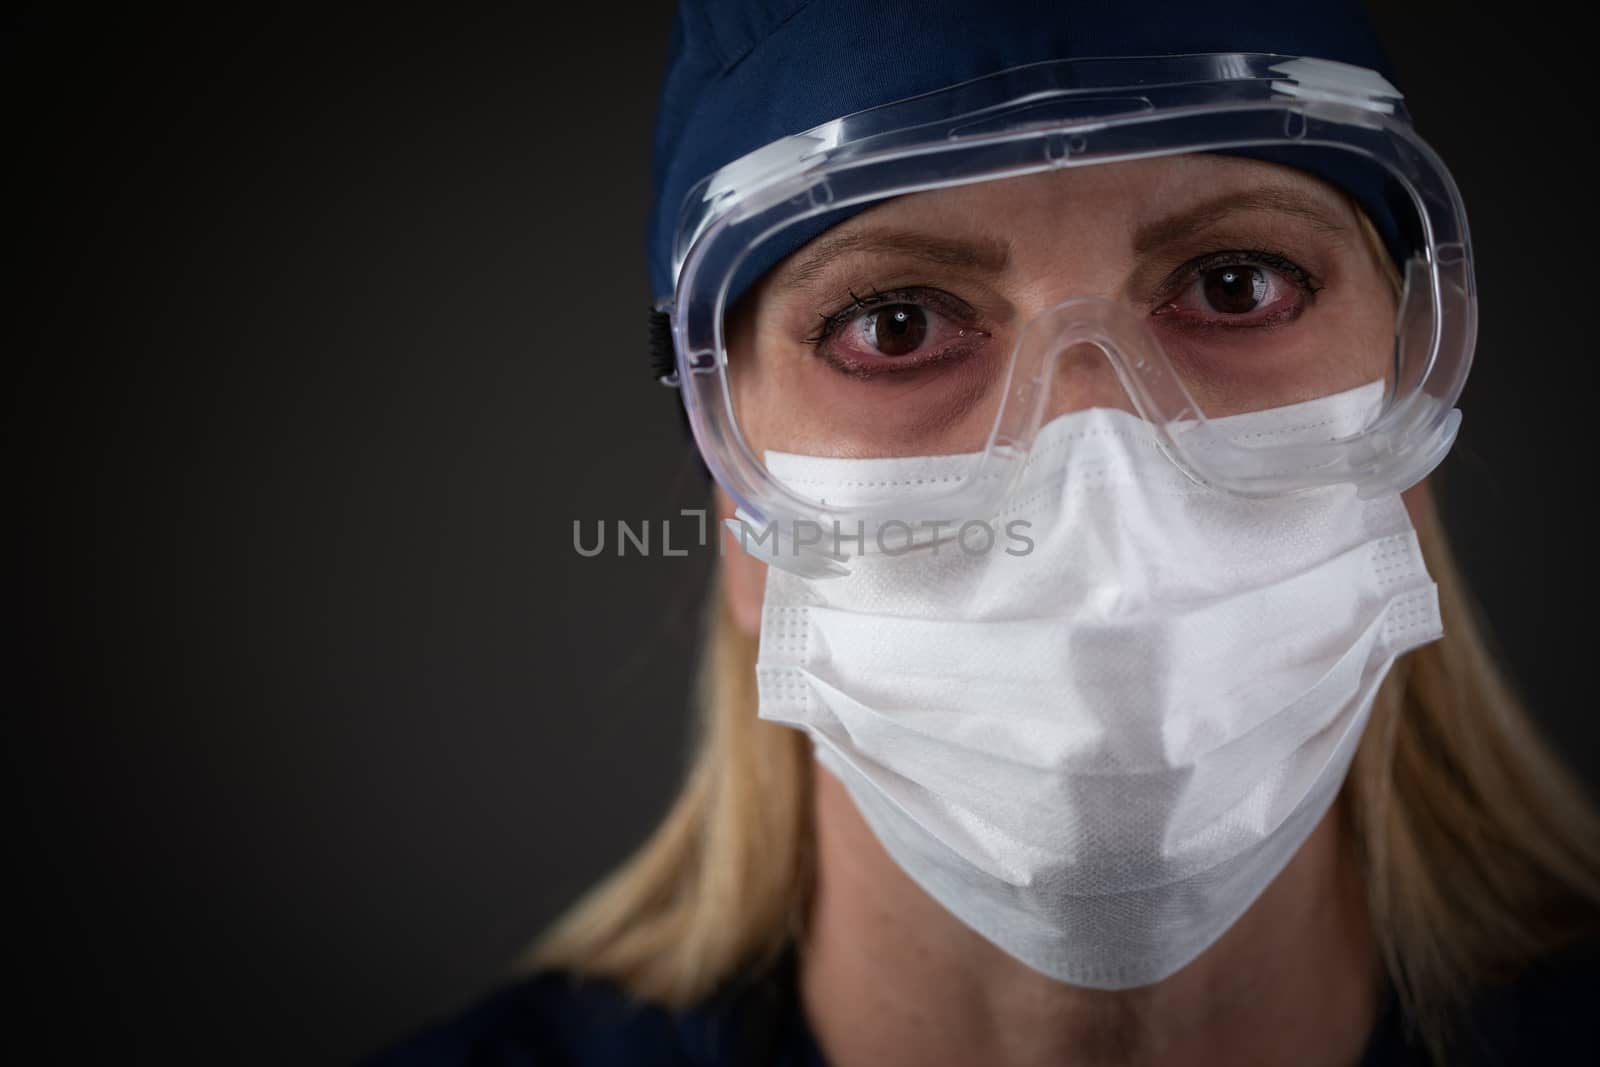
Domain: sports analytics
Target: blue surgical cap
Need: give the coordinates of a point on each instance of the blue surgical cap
(743, 73)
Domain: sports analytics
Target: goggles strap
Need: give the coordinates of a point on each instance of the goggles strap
(663, 362)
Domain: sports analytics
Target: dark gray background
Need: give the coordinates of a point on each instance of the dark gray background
(327, 333)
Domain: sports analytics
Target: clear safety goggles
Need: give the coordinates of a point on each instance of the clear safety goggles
(945, 275)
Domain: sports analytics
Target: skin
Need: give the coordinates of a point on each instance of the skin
(887, 976)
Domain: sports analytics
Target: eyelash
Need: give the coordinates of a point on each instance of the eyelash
(1258, 257)
(1302, 278)
(831, 323)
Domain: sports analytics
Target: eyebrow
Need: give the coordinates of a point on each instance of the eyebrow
(1193, 220)
(984, 254)
(991, 255)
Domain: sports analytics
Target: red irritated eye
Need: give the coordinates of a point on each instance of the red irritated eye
(894, 333)
(1238, 293)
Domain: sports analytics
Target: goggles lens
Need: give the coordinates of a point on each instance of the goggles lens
(960, 320)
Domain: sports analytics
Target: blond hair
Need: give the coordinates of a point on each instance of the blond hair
(1479, 851)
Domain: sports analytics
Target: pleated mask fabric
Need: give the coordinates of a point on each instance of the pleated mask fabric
(1097, 752)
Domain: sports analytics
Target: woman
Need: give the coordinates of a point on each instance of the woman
(1091, 682)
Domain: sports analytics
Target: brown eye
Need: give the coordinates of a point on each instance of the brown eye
(1235, 290)
(899, 330)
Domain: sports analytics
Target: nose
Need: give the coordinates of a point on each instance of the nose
(1081, 353)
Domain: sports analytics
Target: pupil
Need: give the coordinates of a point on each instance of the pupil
(900, 329)
(1234, 290)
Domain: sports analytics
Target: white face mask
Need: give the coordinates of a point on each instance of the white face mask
(1097, 754)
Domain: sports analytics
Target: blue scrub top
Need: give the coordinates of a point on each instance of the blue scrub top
(557, 1020)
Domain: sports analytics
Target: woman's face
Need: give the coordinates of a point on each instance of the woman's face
(891, 333)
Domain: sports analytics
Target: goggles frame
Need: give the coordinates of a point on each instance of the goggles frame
(1087, 112)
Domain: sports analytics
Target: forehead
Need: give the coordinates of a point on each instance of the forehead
(1105, 209)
